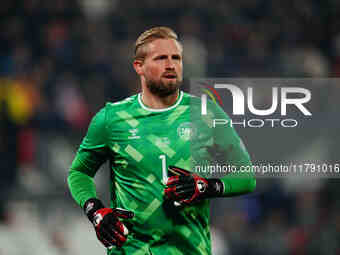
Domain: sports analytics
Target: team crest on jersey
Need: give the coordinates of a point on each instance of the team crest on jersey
(186, 131)
(133, 134)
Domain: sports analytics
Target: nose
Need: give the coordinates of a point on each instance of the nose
(169, 64)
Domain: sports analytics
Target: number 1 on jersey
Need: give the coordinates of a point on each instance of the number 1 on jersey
(164, 169)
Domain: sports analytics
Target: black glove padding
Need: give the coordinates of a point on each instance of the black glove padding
(109, 229)
(185, 187)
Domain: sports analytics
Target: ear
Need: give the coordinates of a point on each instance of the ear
(138, 66)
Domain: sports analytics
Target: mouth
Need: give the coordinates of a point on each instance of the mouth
(170, 76)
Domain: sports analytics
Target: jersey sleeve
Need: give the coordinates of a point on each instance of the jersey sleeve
(92, 153)
(234, 154)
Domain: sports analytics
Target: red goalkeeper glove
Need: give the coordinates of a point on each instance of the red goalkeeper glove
(185, 188)
(110, 230)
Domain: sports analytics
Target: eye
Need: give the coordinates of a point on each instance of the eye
(176, 57)
(161, 57)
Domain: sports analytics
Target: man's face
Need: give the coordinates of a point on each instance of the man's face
(162, 67)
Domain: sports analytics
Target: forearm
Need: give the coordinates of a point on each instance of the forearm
(238, 184)
(82, 186)
(91, 154)
(81, 175)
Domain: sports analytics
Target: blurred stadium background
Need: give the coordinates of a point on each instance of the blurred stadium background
(61, 60)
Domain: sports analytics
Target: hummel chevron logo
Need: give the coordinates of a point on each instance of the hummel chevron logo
(133, 134)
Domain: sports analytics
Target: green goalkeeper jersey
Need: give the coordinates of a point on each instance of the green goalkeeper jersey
(140, 143)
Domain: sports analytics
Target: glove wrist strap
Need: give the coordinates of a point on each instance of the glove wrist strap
(215, 188)
(91, 206)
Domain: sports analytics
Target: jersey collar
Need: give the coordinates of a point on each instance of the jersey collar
(179, 99)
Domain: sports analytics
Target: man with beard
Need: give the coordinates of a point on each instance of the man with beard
(157, 207)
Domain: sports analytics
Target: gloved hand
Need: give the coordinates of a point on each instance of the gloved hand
(185, 188)
(109, 229)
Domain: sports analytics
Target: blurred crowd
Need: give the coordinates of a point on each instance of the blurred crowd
(61, 60)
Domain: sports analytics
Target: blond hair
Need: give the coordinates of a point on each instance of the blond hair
(149, 36)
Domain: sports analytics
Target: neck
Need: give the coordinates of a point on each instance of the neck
(156, 102)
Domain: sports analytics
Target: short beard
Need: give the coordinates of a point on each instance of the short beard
(162, 90)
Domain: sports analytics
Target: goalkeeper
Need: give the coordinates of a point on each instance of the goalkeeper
(158, 204)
